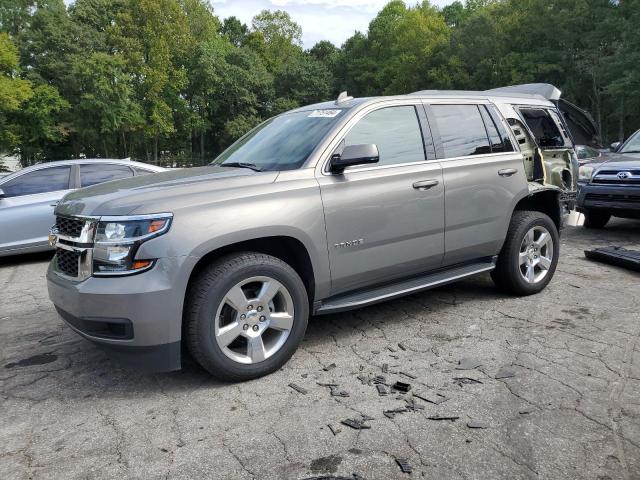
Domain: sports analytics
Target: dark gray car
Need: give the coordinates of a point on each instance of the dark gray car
(609, 186)
(325, 208)
(28, 197)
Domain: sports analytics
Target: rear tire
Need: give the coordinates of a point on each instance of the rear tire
(529, 256)
(245, 316)
(596, 218)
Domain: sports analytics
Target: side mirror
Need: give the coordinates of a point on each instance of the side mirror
(615, 146)
(354, 155)
(2, 194)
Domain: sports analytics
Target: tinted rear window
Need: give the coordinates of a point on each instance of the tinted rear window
(462, 130)
(40, 181)
(94, 173)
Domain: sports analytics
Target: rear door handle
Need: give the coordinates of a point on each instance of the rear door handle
(507, 172)
(425, 184)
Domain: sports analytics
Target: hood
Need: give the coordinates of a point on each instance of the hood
(161, 192)
(620, 161)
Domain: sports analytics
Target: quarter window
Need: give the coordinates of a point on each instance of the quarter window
(543, 127)
(395, 131)
(462, 130)
(94, 173)
(41, 181)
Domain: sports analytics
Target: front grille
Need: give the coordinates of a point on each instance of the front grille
(610, 177)
(67, 262)
(605, 197)
(71, 227)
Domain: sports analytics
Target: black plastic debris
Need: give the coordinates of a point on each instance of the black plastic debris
(401, 387)
(408, 375)
(435, 398)
(334, 430)
(329, 367)
(298, 388)
(412, 406)
(385, 367)
(393, 412)
(357, 424)
(618, 256)
(353, 476)
(468, 363)
(379, 379)
(404, 465)
(505, 372)
(465, 381)
(402, 347)
(382, 389)
(391, 349)
(477, 424)
(525, 411)
(451, 418)
(364, 379)
(334, 390)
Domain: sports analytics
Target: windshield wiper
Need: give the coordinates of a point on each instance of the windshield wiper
(631, 151)
(252, 166)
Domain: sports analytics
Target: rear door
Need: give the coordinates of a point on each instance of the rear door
(387, 220)
(94, 173)
(483, 176)
(26, 211)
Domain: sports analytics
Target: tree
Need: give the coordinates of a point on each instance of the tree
(14, 93)
(276, 37)
(235, 31)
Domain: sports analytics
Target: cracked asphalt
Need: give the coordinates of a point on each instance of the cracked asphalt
(567, 405)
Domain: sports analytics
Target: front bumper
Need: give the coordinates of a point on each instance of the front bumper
(623, 200)
(137, 319)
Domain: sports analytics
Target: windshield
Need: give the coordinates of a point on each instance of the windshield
(632, 145)
(281, 143)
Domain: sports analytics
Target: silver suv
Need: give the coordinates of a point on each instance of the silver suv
(322, 209)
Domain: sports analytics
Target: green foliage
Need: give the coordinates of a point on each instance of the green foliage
(166, 79)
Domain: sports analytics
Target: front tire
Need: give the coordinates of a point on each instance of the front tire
(596, 218)
(245, 316)
(529, 256)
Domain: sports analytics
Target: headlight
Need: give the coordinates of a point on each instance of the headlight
(585, 173)
(118, 239)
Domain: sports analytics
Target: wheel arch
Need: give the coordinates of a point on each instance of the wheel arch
(288, 248)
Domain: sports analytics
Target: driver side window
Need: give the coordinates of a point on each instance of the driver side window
(395, 131)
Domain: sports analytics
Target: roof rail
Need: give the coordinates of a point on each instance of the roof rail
(343, 97)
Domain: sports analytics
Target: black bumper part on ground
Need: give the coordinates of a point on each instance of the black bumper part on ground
(151, 358)
(618, 256)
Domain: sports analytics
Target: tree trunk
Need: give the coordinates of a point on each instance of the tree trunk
(621, 120)
(202, 147)
(124, 144)
(155, 150)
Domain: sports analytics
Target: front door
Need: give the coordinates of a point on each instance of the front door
(385, 221)
(26, 211)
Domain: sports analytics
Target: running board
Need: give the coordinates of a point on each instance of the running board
(364, 298)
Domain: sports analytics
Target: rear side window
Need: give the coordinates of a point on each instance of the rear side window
(41, 181)
(396, 132)
(94, 173)
(500, 141)
(543, 127)
(462, 130)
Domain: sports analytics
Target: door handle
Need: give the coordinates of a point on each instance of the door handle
(507, 172)
(425, 184)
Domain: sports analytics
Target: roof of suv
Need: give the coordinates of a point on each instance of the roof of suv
(532, 93)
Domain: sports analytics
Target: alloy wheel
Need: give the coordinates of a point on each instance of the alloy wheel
(536, 254)
(254, 320)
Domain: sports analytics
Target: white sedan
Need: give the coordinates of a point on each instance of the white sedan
(28, 197)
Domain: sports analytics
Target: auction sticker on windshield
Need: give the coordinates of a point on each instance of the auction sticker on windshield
(325, 113)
